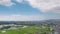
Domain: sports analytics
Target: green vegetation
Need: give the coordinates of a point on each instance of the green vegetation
(29, 30)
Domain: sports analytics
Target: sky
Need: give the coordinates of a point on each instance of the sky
(29, 10)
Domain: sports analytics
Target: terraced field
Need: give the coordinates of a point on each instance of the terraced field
(28, 30)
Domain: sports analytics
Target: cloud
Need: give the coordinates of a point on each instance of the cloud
(55, 10)
(6, 2)
(46, 5)
(20, 1)
(27, 18)
(20, 18)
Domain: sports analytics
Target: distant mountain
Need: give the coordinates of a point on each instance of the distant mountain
(55, 21)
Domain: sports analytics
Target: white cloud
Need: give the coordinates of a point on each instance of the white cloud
(45, 5)
(20, 1)
(20, 18)
(27, 18)
(49, 6)
(6, 2)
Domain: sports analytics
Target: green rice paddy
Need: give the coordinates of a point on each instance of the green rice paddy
(28, 30)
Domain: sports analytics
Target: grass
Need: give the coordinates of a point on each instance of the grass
(28, 30)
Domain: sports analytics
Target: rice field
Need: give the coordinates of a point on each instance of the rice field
(28, 30)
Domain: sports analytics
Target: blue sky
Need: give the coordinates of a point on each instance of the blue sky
(19, 8)
(27, 10)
